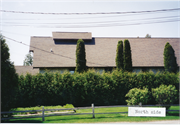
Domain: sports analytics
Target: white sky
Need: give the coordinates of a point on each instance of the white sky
(21, 27)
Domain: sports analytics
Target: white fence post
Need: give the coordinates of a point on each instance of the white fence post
(43, 113)
(93, 110)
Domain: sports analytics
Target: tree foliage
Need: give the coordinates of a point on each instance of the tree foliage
(82, 89)
(135, 96)
(127, 56)
(148, 36)
(170, 63)
(165, 94)
(119, 55)
(28, 60)
(80, 56)
(9, 79)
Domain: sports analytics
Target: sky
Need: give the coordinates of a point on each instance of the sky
(85, 16)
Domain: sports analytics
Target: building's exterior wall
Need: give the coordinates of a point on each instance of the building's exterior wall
(53, 70)
(99, 70)
(146, 69)
(102, 69)
(23, 70)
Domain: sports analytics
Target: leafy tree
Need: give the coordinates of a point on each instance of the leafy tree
(170, 63)
(9, 79)
(127, 56)
(148, 36)
(80, 56)
(119, 55)
(28, 60)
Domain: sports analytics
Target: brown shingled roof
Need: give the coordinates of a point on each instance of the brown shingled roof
(146, 52)
(23, 70)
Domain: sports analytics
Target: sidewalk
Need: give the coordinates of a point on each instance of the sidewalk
(169, 122)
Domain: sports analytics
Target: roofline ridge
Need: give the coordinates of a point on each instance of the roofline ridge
(68, 32)
(140, 37)
(42, 36)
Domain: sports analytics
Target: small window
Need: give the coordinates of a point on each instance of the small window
(71, 71)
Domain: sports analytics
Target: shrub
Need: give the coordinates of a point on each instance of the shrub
(80, 56)
(165, 94)
(170, 63)
(135, 96)
(78, 89)
(119, 55)
(82, 89)
(127, 56)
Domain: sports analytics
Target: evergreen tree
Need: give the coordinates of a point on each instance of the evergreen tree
(119, 55)
(9, 79)
(170, 63)
(127, 56)
(80, 57)
(28, 60)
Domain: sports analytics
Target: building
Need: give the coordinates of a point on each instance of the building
(58, 53)
(23, 70)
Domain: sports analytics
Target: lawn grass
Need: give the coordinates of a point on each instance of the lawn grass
(120, 117)
(40, 108)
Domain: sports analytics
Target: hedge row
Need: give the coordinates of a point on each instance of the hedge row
(86, 88)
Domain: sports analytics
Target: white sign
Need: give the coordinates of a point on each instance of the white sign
(140, 111)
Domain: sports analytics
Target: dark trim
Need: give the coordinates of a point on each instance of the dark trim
(105, 67)
(73, 41)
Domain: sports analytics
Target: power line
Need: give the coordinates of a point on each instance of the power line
(99, 25)
(97, 13)
(50, 52)
(99, 16)
(98, 22)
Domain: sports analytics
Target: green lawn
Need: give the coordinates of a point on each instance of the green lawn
(98, 117)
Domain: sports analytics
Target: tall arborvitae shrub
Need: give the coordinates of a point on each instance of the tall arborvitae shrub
(119, 55)
(170, 63)
(127, 56)
(9, 79)
(80, 56)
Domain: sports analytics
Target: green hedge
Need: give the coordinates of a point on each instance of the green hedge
(89, 87)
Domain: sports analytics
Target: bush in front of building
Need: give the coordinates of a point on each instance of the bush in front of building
(119, 55)
(136, 96)
(170, 63)
(165, 95)
(127, 56)
(80, 57)
(82, 89)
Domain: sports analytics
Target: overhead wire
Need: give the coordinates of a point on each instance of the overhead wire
(89, 16)
(99, 25)
(96, 13)
(155, 18)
